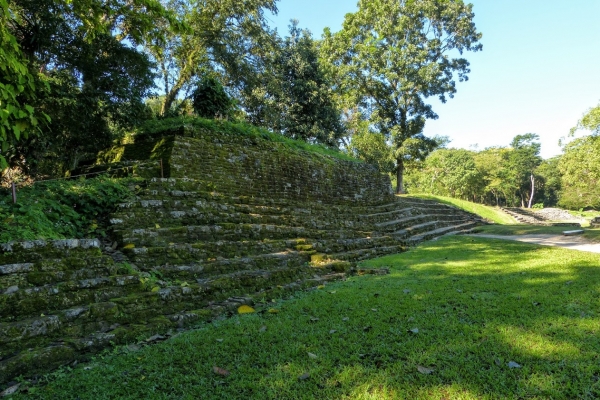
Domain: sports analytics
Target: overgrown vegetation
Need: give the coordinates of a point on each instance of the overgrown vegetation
(461, 317)
(61, 209)
(238, 128)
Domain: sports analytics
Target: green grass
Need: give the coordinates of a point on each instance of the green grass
(492, 214)
(590, 234)
(478, 304)
(155, 127)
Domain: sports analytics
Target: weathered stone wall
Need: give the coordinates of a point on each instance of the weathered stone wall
(246, 166)
(236, 218)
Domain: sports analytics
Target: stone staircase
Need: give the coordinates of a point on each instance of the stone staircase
(195, 234)
(525, 216)
(239, 221)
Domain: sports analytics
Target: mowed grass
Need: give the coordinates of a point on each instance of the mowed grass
(592, 234)
(448, 322)
(492, 214)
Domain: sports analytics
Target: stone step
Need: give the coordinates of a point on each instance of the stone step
(22, 302)
(203, 269)
(367, 253)
(203, 251)
(394, 225)
(51, 271)
(79, 339)
(444, 230)
(160, 237)
(35, 250)
(341, 245)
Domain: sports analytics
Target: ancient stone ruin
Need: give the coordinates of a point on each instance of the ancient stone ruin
(237, 219)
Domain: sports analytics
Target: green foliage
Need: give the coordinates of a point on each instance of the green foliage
(210, 99)
(447, 172)
(391, 56)
(303, 103)
(478, 304)
(85, 58)
(237, 128)
(17, 90)
(580, 173)
(61, 209)
(590, 121)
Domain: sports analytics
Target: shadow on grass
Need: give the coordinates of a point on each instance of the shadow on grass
(448, 322)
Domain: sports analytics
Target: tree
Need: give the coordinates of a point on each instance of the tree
(210, 100)
(391, 55)
(17, 90)
(304, 105)
(223, 36)
(550, 180)
(84, 56)
(590, 121)
(448, 172)
(580, 173)
(523, 161)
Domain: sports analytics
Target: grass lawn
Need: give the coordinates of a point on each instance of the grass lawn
(492, 214)
(457, 318)
(591, 234)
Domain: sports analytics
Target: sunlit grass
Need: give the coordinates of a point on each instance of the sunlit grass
(492, 214)
(592, 234)
(478, 305)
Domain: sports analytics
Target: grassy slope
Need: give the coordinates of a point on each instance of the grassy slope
(239, 128)
(478, 304)
(490, 213)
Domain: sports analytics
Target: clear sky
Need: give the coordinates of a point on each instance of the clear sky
(539, 70)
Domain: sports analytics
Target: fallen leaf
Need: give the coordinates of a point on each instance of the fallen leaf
(425, 371)
(312, 355)
(345, 319)
(374, 309)
(313, 319)
(321, 287)
(332, 292)
(273, 311)
(220, 371)
(262, 328)
(10, 390)
(512, 364)
(304, 376)
(220, 340)
(157, 226)
(245, 309)
(332, 331)
(414, 330)
(459, 290)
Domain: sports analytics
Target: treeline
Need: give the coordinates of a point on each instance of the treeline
(78, 75)
(516, 175)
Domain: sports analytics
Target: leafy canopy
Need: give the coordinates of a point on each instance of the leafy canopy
(392, 55)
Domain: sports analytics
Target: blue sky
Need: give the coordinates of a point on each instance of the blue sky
(539, 70)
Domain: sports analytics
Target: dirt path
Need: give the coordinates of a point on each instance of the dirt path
(568, 242)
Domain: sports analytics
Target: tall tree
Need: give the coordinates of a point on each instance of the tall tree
(85, 53)
(523, 161)
(17, 89)
(222, 36)
(391, 55)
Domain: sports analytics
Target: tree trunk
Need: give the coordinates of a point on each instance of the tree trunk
(400, 176)
(532, 190)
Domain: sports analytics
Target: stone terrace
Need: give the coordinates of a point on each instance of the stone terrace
(239, 220)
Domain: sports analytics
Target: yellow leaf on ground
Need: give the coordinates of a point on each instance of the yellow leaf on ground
(273, 311)
(245, 309)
